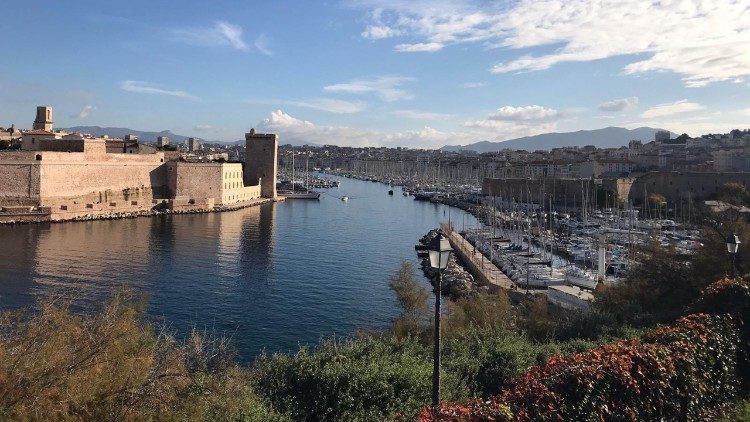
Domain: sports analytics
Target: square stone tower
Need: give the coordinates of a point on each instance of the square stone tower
(261, 155)
(43, 119)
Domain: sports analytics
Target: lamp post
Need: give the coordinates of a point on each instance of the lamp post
(439, 251)
(733, 244)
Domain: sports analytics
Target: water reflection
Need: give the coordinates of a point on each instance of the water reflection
(271, 277)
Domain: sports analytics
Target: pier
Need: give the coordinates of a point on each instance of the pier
(481, 268)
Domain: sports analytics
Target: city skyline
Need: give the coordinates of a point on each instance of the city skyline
(392, 73)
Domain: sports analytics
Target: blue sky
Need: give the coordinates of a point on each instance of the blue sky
(378, 72)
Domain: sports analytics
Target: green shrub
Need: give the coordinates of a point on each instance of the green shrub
(731, 296)
(484, 359)
(739, 412)
(368, 379)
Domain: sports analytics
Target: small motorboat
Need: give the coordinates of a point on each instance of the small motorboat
(344, 198)
(390, 192)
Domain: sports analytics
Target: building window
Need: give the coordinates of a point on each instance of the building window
(39, 157)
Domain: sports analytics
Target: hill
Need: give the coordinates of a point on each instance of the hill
(119, 132)
(609, 137)
(145, 136)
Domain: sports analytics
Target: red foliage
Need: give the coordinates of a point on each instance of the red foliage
(674, 372)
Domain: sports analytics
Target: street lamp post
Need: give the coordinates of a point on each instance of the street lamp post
(733, 244)
(439, 251)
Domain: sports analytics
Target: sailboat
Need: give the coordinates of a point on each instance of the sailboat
(294, 193)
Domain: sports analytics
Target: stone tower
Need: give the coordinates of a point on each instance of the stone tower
(261, 152)
(43, 119)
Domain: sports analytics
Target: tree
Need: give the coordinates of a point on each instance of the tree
(683, 138)
(655, 290)
(538, 321)
(412, 299)
(656, 201)
(734, 193)
(481, 310)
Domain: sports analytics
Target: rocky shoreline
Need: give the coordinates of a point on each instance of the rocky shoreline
(457, 281)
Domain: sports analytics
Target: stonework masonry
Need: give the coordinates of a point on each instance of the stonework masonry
(680, 186)
(562, 192)
(59, 176)
(261, 160)
(52, 179)
(200, 181)
(674, 186)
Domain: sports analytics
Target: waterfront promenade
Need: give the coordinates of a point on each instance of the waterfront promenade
(479, 266)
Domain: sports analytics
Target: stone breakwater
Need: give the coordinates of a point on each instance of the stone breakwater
(457, 281)
(31, 218)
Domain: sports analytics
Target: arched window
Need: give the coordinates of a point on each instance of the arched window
(39, 157)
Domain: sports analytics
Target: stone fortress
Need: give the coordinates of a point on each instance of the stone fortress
(59, 176)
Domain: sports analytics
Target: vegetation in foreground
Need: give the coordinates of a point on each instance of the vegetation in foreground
(112, 366)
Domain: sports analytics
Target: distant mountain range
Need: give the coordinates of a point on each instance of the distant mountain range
(608, 137)
(144, 136)
(119, 132)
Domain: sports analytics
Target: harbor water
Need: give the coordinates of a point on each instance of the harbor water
(271, 277)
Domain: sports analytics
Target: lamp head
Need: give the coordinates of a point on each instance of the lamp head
(733, 243)
(439, 251)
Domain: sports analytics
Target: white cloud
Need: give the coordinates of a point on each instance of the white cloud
(532, 113)
(146, 88)
(330, 105)
(219, 35)
(512, 122)
(300, 131)
(668, 109)
(419, 47)
(202, 128)
(262, 44)
(621, 104)
(291, 129)
(385, 87)
(378, 32)
(420, 115)
(471, 85)
(704, 41)
(85, 112)
(693, 127)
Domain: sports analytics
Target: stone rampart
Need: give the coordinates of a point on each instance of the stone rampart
(681, 186)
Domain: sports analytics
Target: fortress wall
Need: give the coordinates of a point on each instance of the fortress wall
(563, 191)
(200, 181)
(100, 181)
(19, 183)
(197, 181)
(676, 186)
